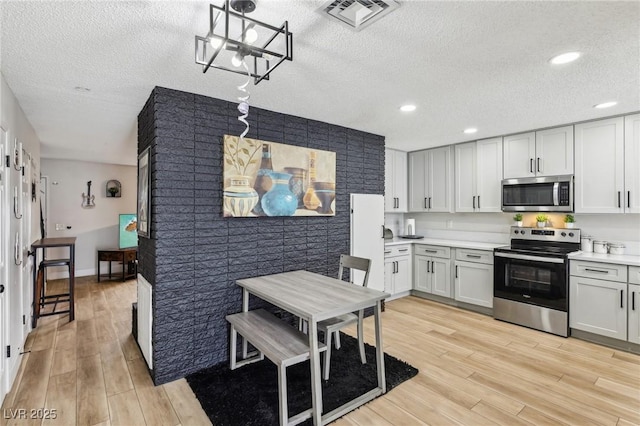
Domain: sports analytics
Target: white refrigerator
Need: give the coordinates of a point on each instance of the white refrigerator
(367, 236)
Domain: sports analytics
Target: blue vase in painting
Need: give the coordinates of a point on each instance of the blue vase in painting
(279, 201)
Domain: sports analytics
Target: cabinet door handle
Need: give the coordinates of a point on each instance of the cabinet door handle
(383, 232)
(425, 202)
(474, 256)
(474, 202)
(456, 271)
(531, 165)
(600, 271)
(478, 201)
(430, 251)
(538, 164)
(428, 266)
(387, 252)
(621, 298)
(619, 199)
(629, 199)
(433, 268)
(633, 300)
(403, 250)
(429, 203)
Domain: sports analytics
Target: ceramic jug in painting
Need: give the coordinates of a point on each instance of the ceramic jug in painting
(263, 181)
(239, 197)
(280, 201)
(298, 183)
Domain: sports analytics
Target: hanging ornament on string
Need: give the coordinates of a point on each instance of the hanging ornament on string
(243, 105)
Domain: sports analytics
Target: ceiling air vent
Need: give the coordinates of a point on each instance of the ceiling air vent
(357, 14)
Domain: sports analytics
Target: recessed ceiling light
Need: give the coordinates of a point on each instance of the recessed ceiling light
(407, 108)
(470, 130)
(606, 104)
(564, 58)
(81, 89)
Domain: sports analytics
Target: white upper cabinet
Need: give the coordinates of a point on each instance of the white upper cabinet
(543, 153)
(478, 174)
(599, 178)
(395, 181)
(632, 163)
(519, 154)
(431, 180)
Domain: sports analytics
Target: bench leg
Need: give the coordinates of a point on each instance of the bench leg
(327, 355)
(363, 358)
(282, 395)
(232, 347)
(337, 339)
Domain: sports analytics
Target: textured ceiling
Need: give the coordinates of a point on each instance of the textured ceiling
(464, 64)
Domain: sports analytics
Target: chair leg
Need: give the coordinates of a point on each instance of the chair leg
(282, 395)
(363, 358)
(337, 339)
(327, 355)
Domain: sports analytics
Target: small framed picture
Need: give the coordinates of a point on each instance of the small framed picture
(144, 195)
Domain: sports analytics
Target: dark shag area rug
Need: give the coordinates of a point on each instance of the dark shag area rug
(249, 394)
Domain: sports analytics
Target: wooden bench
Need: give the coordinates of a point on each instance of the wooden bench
(281, 343)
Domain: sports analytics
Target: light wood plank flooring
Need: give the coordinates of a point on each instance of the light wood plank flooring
(473, 371)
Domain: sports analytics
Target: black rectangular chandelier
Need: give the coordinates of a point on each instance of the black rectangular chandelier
(235, 38)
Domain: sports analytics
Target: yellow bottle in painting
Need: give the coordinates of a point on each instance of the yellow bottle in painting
(310, 199)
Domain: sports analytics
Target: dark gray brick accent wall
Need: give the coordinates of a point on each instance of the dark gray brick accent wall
(194, 255)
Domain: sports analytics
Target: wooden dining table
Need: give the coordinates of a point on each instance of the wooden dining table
(314, 297)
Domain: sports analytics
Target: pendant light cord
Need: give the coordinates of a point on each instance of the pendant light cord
(243, 106)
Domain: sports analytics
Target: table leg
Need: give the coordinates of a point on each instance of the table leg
(379, 349)
(124, 266)
(316, 377)
(109, 269)
(245, 308)
(98, 268)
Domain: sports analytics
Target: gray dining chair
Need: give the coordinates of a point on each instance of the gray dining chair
(332, 326)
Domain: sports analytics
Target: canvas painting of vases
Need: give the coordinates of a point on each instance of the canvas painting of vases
(263, 179)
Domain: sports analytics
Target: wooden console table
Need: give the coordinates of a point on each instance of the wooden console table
(126, 256)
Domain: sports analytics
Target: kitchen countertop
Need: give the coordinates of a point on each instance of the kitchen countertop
(476, 245)
(619, 259)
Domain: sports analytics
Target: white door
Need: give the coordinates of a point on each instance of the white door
(633, 308)
(422, 274)
(402, 279)
(389, 275)
(441, 274)
(489, 175)
(417, 179)
(13, 291)
(440, 180)
(598, 306)
(474, 283)
(367, 235)
(4, 249)
(599, 177)
(632, 163)
(389, 196)
(554, 151)
(27, 261)
(519, 155)
(400, 179)
(465, 192)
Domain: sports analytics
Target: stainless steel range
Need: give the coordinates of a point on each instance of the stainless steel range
(531, 278)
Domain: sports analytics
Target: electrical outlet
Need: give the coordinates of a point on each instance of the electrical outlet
(59, 226)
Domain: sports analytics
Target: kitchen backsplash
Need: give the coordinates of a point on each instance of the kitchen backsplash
(494, 227)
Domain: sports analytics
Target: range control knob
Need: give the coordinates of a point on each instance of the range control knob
(516, 231)
(571, 234)
(564, 234)
(522, 232)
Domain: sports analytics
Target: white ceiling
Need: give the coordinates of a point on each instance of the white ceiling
(464, 64)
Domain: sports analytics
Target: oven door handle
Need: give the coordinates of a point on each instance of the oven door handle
(556, 195)
(527, 257)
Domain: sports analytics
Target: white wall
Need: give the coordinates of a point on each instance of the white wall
(97, 227)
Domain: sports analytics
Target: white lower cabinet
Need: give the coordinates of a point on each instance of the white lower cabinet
(633, 307)
(598, 306)
(432, 270)
(474, 283)
(397, 269)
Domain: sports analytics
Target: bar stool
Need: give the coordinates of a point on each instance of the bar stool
(41, 299)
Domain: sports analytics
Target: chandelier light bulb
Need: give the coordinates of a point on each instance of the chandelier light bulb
(250, 36)
(215, 42)
(237, 60)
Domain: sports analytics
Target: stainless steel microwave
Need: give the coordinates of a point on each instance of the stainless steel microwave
(538, 194)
